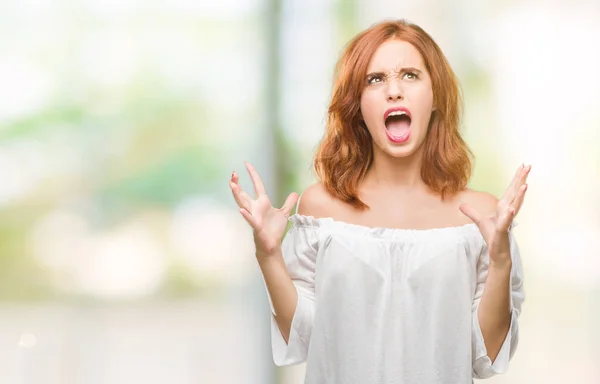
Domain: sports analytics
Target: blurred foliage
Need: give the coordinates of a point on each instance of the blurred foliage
(475, 83)
(21, 278)
(180, 283)
(149, 153)
(346, 18)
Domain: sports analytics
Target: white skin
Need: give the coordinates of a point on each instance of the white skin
(395, 172)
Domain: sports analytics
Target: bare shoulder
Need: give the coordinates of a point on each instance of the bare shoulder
(316, 201)
(484, 202)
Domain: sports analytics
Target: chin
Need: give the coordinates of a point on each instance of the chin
(401, 152)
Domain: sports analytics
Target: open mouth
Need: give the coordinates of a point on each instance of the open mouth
(397, 125)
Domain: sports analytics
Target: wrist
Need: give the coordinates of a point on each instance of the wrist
(266, 249)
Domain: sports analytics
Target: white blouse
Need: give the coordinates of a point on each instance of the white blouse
(383, 305)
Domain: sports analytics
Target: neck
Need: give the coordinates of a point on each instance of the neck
(392, 172)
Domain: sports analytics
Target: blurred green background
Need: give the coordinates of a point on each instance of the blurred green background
(122, 255)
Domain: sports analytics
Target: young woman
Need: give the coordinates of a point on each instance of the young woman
(394, 271)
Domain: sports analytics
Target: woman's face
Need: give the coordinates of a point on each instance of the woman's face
(397, 100)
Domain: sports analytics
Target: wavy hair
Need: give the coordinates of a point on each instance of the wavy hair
(345, 153)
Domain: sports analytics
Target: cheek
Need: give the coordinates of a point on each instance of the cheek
(368, 107)
(426, 96)
(430, 99)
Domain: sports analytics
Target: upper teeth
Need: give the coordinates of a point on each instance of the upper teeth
(397, 113)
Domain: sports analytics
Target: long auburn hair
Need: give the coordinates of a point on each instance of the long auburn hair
(345, 153)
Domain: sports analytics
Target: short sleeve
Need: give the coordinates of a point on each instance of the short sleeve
(299, 249)
(482, 365)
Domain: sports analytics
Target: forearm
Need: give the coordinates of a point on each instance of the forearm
(494, 311)
(281, 290)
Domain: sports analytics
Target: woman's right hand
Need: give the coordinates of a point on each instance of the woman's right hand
(268, 223)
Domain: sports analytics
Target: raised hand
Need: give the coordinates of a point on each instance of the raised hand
(494, 228)
(268, 223)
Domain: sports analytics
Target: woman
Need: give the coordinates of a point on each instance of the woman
(393, 270)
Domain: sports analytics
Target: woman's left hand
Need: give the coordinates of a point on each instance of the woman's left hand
(494, 228)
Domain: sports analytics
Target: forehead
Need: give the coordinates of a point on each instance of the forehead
(395, 54)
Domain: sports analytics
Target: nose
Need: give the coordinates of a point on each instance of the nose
(394, 91)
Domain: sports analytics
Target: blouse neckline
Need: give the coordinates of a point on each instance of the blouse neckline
(331, 223)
